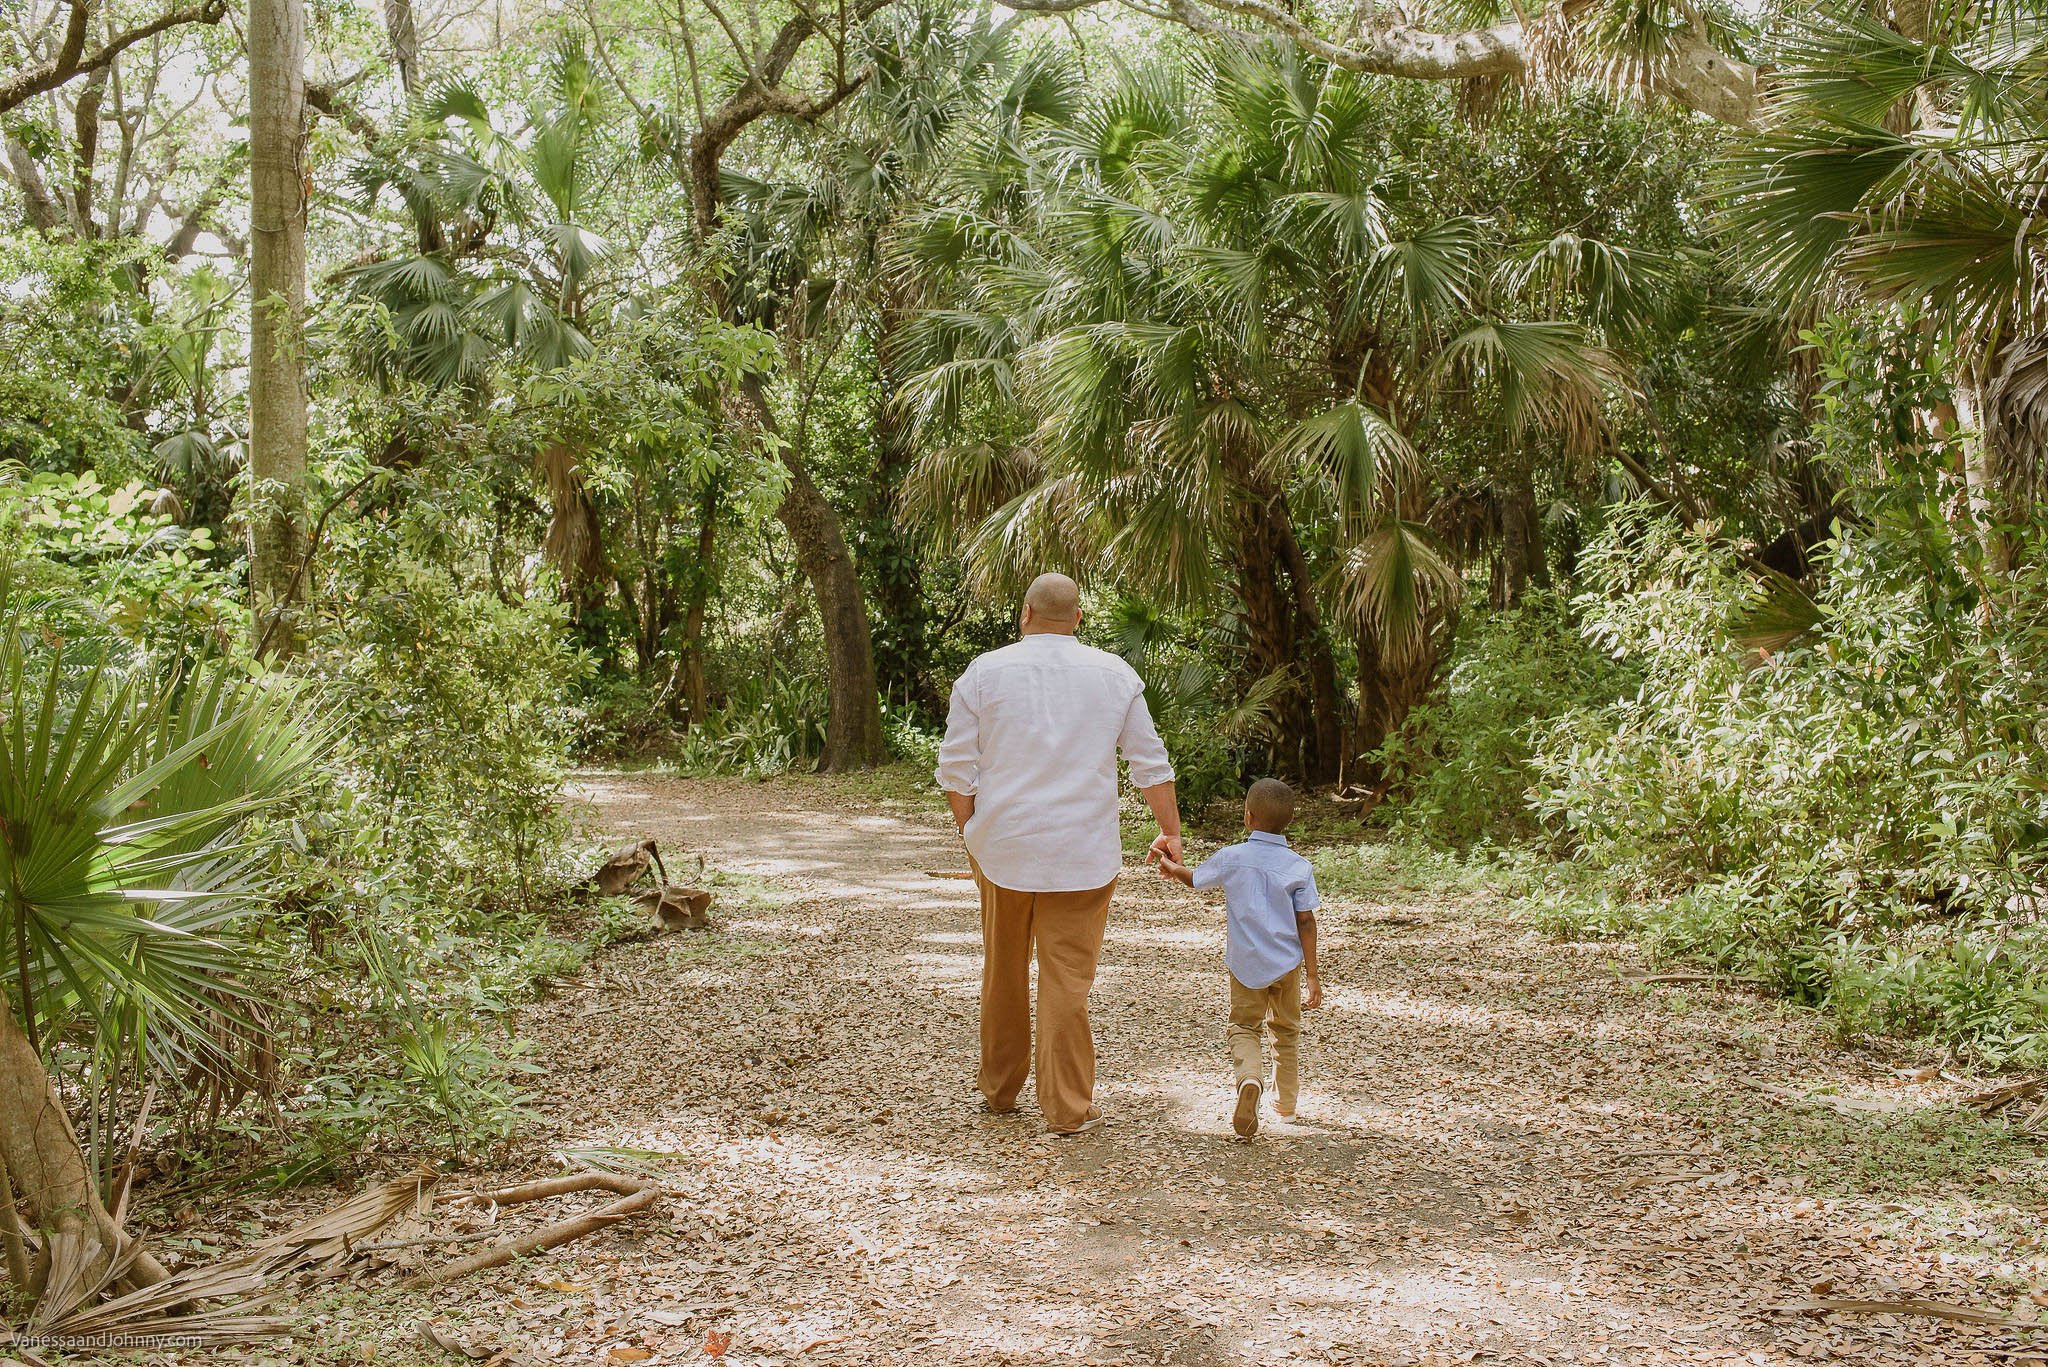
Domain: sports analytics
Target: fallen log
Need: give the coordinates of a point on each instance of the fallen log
(635, 1195)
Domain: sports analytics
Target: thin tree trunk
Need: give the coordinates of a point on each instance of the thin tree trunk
(702, 579)
(853, 733)
(902, 613)
(1284, 624)
(1522, 560)
(43, 1157)
(853, 730)
(277, 289)
(1325, 757)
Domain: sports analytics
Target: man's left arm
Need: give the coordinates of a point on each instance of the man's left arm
(960, 752)
(1152, 776)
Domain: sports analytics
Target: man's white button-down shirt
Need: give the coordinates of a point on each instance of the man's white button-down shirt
(1032, 735)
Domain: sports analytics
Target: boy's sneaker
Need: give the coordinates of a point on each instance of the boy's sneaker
(1245, 1119)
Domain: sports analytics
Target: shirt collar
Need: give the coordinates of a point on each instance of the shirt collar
(1267, 838)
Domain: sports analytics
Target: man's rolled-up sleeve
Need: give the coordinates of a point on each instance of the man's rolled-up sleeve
(960, 752)
(1143, 750)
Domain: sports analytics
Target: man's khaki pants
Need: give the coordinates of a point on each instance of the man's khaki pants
(1067, 930)
(1252, 1010)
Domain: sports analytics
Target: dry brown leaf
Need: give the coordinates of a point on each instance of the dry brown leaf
(566, 1288)
(449, 1342)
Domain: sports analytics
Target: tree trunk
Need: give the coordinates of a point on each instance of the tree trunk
(853, 730)
(1285, 625)
(703, 578)
(1521, 561)
(277, 290)
(1387, 691)
(42, 1156)
(903, 616)
(1325, 755)
(853, 733)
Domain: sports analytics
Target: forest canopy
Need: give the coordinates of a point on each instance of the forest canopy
(1604, 441)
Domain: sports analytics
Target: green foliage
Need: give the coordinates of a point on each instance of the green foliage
(126, 856)
(460, 720)
(1461, 757)
(1856, 818)
(911, 740)
(769, 726)
(110, 561)
(67, 310)
(1212, 724)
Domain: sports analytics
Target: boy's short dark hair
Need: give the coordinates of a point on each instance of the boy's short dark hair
(1270, 805)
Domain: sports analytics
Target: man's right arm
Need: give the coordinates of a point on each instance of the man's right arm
(960, 752)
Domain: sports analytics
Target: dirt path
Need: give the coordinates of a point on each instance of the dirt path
(1504, 1154)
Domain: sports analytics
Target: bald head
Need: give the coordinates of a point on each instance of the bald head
(1052, 603)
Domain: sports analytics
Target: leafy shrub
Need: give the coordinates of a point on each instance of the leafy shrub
(113, 567)
(910, 739)
(1463, 753)
(1212, 724)
(1846, 798)
(69, 314)
(460, 728)
(768, 726)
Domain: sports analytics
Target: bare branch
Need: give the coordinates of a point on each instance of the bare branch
(72, 59)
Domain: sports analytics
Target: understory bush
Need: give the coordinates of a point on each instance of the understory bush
(1847, 798)
(1461, 757)
(768, 725)
(459, 728)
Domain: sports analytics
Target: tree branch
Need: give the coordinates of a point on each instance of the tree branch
(327, 100)
(72, 59)
(1694, 74)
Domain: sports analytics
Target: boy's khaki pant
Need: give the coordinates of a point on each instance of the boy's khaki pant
(1066, 928)
(1252, 1010)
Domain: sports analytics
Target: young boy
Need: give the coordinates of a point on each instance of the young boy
(1269, 895)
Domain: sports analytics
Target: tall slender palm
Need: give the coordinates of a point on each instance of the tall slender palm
(505, 253)
(504, 265)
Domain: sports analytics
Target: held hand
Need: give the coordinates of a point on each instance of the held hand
(1164, 846)
(1312, 994)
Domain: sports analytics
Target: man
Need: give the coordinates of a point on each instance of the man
(1029, 769)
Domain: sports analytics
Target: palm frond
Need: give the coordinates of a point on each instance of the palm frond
(1356, 450)
(1391, 582)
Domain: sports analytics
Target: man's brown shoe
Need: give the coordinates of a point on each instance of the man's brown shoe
(1093, 1122)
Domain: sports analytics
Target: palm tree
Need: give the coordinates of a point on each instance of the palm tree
(124, 868)
(1905, 164)
(1234, 318)
(503, 267)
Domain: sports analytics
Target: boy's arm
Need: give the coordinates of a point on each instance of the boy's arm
(1174, 869)
(1312, 985)
(1306, 900)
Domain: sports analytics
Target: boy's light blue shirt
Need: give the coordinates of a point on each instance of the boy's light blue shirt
(1265, 885)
